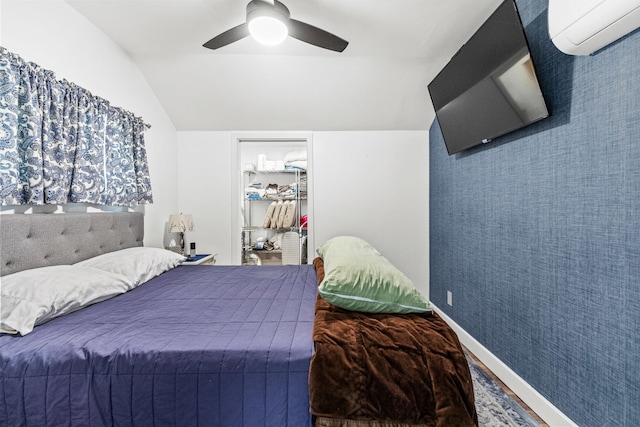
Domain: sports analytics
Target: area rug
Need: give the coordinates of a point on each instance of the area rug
(494, 406)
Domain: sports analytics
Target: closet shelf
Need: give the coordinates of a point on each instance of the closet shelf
(291, 171)
(262, 251)
(257, 228)
(273, 199)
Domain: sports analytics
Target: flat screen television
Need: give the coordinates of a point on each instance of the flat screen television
(489, 87)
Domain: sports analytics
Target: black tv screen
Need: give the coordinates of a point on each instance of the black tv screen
(489, 88)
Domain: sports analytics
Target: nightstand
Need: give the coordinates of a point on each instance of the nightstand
(201, 259)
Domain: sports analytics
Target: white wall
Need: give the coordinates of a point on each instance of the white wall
(52, 34)
(205, 172)
(375, 185)
(372, 184)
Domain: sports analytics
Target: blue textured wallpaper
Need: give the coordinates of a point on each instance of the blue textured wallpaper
(537, 234)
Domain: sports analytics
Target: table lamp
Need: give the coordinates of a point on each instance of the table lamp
(179, 223)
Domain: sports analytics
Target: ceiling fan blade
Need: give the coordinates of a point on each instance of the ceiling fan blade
(228, 37)
(315, 36)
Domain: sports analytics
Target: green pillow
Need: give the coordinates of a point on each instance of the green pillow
(358, 278)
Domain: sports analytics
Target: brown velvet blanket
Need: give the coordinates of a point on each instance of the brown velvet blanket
(387, 370)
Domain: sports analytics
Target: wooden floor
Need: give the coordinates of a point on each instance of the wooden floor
(508, 390)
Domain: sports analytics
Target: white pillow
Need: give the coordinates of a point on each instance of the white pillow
(290, 215)
(295, 155)
(32, 297)
(276, 214)
(269, 214)
(138, 264)
(281, 213)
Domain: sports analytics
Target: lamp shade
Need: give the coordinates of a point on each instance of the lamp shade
(179, 223)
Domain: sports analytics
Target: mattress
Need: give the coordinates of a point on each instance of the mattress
(195, 346)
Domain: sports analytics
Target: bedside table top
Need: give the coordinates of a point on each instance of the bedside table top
(199, 259)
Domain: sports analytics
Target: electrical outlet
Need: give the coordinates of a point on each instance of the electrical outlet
(450, 298)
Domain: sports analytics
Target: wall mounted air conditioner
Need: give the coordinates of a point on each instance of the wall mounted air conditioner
(580, 27)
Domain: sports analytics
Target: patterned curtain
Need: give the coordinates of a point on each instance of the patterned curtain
(60, 144)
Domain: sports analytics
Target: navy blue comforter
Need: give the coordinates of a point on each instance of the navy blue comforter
(196, 346)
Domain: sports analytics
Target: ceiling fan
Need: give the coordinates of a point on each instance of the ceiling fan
(270, 23)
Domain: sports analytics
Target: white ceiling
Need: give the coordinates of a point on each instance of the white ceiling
(379, 82)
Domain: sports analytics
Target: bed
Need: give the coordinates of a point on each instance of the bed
(196, 345)
(386, 366)
(179, 345)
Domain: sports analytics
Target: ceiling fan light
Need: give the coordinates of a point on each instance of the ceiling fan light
(268, 30)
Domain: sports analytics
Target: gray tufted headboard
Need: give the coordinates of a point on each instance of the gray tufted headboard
(40, 240)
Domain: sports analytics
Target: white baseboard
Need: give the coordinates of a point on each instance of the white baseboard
(538, 403)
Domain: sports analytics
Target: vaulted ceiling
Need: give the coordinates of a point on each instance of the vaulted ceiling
(379, 82)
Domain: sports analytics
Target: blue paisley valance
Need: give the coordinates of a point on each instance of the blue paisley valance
(61, 144)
